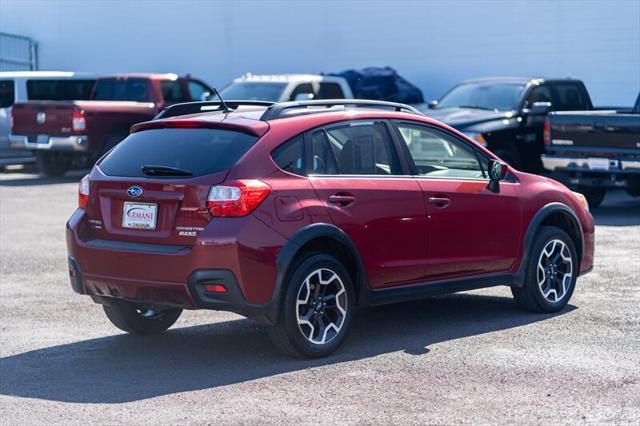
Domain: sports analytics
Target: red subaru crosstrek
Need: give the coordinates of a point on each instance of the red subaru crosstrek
(293, 214)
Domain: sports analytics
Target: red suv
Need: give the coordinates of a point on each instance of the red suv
(293, 214)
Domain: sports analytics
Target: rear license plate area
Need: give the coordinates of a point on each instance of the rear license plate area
(139, 215)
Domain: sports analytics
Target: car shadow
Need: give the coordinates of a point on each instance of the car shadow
(125, 368)
(20, 178)
(617, 209)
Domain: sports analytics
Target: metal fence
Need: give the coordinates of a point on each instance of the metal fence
(18, 53)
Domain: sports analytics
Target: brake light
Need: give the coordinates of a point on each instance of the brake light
(546, 132)
(237, 198)
(78, 122)
(83, 192)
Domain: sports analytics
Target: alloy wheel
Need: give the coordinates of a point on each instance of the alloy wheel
(555, 270)
(321, 306)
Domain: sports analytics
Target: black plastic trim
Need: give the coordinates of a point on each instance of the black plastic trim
(130, 246)
(76, 283)
(185, 108)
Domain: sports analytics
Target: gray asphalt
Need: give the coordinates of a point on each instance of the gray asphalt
(466, 358)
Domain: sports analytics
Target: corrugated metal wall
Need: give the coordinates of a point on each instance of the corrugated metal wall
(432, 43)
(18, 53)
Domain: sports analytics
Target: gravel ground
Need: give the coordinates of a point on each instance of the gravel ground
(466, 358)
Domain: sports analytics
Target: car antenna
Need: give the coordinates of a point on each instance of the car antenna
(225, 107)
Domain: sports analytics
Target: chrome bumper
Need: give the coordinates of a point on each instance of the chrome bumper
(582, 164)
(46, 142)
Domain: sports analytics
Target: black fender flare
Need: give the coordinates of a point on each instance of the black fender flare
(297, 241)
(532, 229)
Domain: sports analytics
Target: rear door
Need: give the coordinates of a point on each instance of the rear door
(356, 172)
(472, 230)
(161, 206)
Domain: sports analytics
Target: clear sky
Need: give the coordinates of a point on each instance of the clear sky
(432, 43)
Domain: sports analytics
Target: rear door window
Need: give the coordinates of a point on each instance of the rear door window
(172, 91)
(131, 89)
(59, 90)
(568, 97)
(330, 91)
(198, 151)
(7, 93)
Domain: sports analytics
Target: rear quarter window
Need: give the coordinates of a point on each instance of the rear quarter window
(199, 151)
(131, 89)
(7, 93)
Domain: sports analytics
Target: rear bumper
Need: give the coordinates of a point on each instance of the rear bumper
(576, 171)
(171, 275)
(556, 163)
(45, 142)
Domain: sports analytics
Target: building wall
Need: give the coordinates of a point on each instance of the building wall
(432, 43)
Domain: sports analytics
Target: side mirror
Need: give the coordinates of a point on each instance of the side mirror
(497, 171)
(539, 108)
(432, 104)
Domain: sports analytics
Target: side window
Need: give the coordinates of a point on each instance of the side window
(290, 156)
(568, 97)
(330, 91)
(540, 94)
(437, 154)
(197, 90)
(358, 148)
(304, 91)
(7, 93)
(172, 91)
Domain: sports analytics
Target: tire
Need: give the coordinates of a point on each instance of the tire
(509, 156)
(138, 319)
(594, 196)
(313, 338)
(53, 164)
(548, 288)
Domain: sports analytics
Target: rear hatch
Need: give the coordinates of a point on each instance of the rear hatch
(43, 118)
(153, 186)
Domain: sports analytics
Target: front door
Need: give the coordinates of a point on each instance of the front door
(472, 230)
(355, 171)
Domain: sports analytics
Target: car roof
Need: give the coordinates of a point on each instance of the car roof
(515, 80)
(150, 76)
(284, 78)
(45, 74)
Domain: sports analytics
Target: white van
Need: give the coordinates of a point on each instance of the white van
(21, 86)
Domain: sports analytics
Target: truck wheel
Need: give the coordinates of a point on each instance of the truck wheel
(316, 310)
(551, 274)
(140, 319)
(53, 164)
(509, 156)
(594, 196)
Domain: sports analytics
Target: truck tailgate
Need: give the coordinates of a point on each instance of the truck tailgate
(42, 117)
(595, 129)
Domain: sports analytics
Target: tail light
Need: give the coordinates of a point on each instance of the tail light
(83, 192)
(546, 132)
(237, 198)
(78, 122)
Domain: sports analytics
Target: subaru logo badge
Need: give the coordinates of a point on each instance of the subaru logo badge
(134, 191)
(41, 117)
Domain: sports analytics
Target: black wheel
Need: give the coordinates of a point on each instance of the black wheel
(552, 271)
(594, 196)
(141, 319)
(509, 156)
(53, 164)
(316, 308)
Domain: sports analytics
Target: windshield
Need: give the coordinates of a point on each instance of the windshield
(493, 96)
(249, 91)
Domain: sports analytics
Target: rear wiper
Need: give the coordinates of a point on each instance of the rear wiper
(477, 107)
(151, 170)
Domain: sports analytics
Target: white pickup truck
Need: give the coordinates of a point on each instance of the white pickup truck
(287, 87)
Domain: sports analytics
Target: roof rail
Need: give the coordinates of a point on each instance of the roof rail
(197, 107)
(279, 110)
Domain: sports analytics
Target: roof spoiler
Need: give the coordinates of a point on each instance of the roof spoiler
(186, 108)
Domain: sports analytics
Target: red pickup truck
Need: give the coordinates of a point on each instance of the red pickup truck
(74, 134)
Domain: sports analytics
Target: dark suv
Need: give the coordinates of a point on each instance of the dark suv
(295, 213)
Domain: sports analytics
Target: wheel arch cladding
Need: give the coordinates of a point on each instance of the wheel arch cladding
(552, 214)
(322, 238)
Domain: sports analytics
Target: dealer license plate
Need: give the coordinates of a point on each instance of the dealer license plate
(139, 215)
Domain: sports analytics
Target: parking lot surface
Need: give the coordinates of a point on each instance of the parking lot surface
(467, 358)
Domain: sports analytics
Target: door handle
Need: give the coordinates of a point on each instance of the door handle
(440, 202)
(342, 199)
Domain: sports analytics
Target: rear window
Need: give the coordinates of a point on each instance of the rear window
(199, 151)
(7, 93)
(59, 90)
(131, 89)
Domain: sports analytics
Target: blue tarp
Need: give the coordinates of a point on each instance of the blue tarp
(381, 83)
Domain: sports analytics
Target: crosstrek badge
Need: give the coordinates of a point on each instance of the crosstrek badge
(139, 215)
